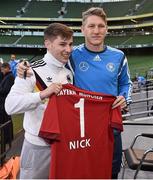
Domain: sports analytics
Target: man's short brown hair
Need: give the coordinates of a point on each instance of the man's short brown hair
(57, 29)
(94, 11)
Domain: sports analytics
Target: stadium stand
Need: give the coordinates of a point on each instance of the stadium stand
(123, 8)
(8, 39)
(130, 40)
(43, 9)
(31, 40)
(9, 8)
(80, 7)
(110, 40)
(143, 7)
(50, 9)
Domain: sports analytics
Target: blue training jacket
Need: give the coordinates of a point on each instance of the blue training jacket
(105, 72)
(13, 65)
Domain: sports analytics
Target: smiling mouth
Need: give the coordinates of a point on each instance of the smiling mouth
(66, 55)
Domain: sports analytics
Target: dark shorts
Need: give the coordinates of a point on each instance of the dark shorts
(117, 156)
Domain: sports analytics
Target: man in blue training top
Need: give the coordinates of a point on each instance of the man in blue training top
(101, 68)
(141, 81)
(13, 64)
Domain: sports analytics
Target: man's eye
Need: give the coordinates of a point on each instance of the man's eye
(102, 26)
(62, 44)
(91, 26)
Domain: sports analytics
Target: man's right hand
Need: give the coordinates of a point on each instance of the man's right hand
(54, 88)
(22, 68)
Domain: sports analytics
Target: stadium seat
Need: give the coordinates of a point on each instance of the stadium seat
(138, 159)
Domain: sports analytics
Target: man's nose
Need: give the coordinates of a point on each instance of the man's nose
(68, 49)
(96, 29)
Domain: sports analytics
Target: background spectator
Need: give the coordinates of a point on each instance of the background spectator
(5, 86)
(1, 74)
(141, 81)
(13, 64)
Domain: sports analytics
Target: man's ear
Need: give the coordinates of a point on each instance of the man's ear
(47, 43)
(106, 29)
(82, 29)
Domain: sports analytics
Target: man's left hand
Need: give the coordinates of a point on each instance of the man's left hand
(120, 101)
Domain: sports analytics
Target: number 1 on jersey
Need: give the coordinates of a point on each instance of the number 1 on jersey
(80, 105)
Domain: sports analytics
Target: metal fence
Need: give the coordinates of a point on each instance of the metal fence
(142, 105)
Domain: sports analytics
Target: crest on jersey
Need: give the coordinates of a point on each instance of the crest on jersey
(84, 66)
(110, 67)
(97, 58)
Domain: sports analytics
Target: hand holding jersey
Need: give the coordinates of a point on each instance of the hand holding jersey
(120, 101)
(54, 88)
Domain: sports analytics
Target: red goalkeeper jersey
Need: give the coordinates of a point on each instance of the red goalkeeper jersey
(79, 124)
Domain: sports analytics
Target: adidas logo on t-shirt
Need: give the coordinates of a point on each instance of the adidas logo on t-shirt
(97, 58)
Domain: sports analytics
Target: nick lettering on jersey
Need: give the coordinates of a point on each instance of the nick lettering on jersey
(84, 143)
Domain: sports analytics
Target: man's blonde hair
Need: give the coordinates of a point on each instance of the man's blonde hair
(94, 11)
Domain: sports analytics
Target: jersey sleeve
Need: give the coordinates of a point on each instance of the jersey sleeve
(125, 83)
(116, 119)
(49, 129)
(21, 97)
